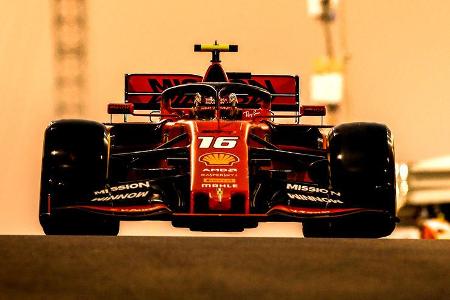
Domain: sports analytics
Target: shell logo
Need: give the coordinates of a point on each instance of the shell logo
(219, 159)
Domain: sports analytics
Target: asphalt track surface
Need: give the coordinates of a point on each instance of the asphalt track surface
(43, 267)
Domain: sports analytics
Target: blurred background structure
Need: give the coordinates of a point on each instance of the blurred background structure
(67, 58)
(70, 46)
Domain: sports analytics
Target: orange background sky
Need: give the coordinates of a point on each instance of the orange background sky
(398, 72)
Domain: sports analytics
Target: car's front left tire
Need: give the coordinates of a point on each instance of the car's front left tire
(74, 164)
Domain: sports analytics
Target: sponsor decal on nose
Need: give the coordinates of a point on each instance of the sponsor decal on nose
(310, 193)
(219, 180)
(219, 159)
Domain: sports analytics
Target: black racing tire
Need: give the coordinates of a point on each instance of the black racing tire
(74, 163)
(362, 169)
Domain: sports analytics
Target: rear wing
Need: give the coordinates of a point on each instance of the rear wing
(144, 90)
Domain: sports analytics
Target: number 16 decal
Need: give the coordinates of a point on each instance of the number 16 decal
(221, 142)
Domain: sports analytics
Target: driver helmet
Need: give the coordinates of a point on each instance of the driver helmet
(230, 100)
(199, 100)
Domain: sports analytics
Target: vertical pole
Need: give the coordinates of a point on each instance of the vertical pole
(70, 31)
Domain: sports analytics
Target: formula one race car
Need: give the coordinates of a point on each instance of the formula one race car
(215, 160)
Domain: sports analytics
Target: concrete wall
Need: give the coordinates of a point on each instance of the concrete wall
(398, 72)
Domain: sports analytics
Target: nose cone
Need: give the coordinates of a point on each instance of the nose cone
(222, 200)
(219, 166)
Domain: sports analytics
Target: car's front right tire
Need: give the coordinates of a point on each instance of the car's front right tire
(362, 169)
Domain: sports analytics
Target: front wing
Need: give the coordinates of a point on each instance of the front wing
(161, 200)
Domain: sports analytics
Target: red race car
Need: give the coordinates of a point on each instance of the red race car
(207, 155)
